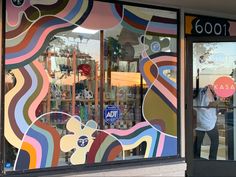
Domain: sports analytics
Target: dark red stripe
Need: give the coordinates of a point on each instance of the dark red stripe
(101, 136)
(164, 20)
(119, 9)
(168, 86)
(166, 63)
(133, 24)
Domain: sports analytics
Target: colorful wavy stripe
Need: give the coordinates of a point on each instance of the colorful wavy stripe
(134, 22)
(12, 132)
(104, 148)
(163, 91)
(23, 49)
(153, 66)
(149, 75)
(32, 86)
(166, 86)
(142, 132)
(153, 72)
(63, 9)
(52, 9)
(22, 101)
(38, 143)
(41, 144)
(162, 27)
(152, 25)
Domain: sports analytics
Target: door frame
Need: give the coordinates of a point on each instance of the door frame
(198, 167)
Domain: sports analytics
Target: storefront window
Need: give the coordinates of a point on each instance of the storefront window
(123, 85)
(90, 82)
(73, 72)
(214, 100)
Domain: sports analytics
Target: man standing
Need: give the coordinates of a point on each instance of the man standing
(206, 122)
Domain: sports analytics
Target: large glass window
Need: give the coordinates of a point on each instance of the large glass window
(89, 83)
(214, 100)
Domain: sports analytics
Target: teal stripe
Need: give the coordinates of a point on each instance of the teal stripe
(156, 144)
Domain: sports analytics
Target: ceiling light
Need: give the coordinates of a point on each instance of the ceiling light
(79, 29)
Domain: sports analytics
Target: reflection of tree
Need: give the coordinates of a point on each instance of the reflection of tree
(114, 48)
(113, 53)
(202, 51)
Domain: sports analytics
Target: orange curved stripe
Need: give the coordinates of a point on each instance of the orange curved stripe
(114, 153)
(147, 70)
(32, 153)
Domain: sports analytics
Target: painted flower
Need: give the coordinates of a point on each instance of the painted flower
(80, 139)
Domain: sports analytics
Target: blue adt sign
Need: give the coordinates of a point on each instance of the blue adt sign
(111, 114)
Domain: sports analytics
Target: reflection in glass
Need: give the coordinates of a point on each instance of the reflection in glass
(72, 71)
(214, 100)
(123, 81)
(67, 88)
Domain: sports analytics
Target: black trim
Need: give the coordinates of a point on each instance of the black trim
(178, 84)
(213, 168)
(123, 2)
(222, 18)
(2, 137)
(94, 167)
(113, 164)
(195, 167)
(188, 105)
(141, 95)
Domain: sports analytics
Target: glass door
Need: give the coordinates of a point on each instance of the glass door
(211, 108)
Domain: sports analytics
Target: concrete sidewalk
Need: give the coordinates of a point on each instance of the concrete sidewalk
(176, 169)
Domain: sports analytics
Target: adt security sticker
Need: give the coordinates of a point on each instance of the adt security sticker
(111, 114)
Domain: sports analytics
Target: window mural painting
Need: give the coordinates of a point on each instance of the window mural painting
(53, 83)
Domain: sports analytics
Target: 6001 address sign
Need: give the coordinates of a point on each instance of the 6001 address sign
(209, 26)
